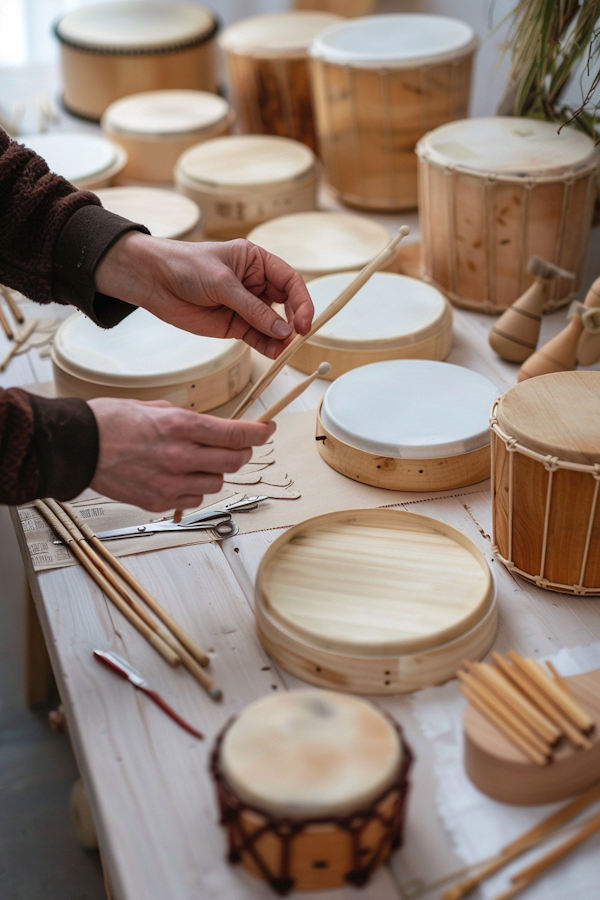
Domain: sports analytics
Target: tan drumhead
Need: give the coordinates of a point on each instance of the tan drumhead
(164, 113)
(557, 415)
(245, 160)
(279, 35)
(74, 155)
(322, 242)
(310, 753)
(507, 146)
(164, 213)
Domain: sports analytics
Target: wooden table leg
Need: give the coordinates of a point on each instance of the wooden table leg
(39, 680)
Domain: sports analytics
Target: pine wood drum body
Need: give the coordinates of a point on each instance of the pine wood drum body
(164, 213)
(347, 8)
(267, 69)
(493, 193)
(145, 359)
(503, 772)
(374, 601)
(156, 127)
(86, 160)
(109, 51)
(379, 84)
(303, 827)
(545, 481)
(243, 180)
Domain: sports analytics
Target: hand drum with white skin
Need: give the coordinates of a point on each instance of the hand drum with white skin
(86, 160)
(164, 213)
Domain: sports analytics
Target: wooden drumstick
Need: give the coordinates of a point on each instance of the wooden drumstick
(13, 306)
(560, 353)
(284, 401)
(5, 326)
(515, 335)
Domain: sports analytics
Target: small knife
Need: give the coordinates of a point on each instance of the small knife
(121, 667)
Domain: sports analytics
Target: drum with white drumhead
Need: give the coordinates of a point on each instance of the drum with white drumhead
(164, 213)
(312, 789)
(111, 50)
(156, 127)
(86, 160)
(379, 83)
(144, 358)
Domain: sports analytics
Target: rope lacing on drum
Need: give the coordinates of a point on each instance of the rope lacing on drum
(552, 463)
(512, 445)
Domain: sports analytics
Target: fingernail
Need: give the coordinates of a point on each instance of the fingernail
(281, 329)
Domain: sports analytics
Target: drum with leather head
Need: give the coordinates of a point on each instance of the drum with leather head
(86, 160)
(164, 213)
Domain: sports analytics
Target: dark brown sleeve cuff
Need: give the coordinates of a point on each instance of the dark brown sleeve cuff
(66, 446)
(84, 239)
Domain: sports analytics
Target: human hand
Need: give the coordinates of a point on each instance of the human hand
(160, 456)
(221, 290)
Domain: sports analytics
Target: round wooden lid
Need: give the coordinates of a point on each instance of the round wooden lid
(310, 753)
(374, 582)
(74, 155)
(410, 409)
(279, 35)
(245, 160)
(508, 146)
(164, 213)
(557, 415)
(322, 242)
(388, 311)
(166, 113)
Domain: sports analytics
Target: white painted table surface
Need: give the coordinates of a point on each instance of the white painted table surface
(153, 800)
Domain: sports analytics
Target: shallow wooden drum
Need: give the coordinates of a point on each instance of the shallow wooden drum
(111, 50)
(321, 243)
(493, 193)
(145, 359)
(267, 69)
(374, 601)
(379, 84)
(164, 213)
(242, 180)
(86, 160)
(408, 425)
(391, 317)
(312, 789)
(156, 127)
(546, 475)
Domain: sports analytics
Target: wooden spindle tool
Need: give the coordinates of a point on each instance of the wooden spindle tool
(292, 394)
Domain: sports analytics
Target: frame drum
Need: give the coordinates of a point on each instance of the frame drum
(143, 358)
(493, 193)
(267, 68)
(242, 180)
(374, 601)
(86, 160)
(312, 789)
(391, 317)
(164, 213)
(408, 425)
(545, 481)
(322, 243)
(379, 84)
(155, 128)
(111, 50)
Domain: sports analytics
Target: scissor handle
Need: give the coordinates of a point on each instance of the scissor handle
(225, 529)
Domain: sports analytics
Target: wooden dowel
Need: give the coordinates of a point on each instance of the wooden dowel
(578, 716)
(559, 679)
(12, 304)
(500, 723)
(291, 395)
(5, 326)
(530, 873)
(19, 341)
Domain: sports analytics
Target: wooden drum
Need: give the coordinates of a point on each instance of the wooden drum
(374, 601)
(156, 127)
(242, 180)
(111, 50)
(321, 243)
(391, 317)
(379, 84)
(408, 425)
(545, 479)
(164, 213)
(493, 193)
(143, 358)
(312, 789)
(267, 68)
(86, 160)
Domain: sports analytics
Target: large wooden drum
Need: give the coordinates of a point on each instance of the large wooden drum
(156, 127)
(379, 84)
(111, 50)
(408, 425)
(242, 180)
(86, 160)
(164, 213)
(391, 317)
(374, 601)
(545, 480)
(267, 68)
(145, 359)
(493, 193)
(312, 789)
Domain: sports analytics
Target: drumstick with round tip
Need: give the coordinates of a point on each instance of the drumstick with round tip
(12, 304)
(292, 394)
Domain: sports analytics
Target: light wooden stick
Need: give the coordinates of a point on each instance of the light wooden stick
(19, 341)
(501, 724)
(559, 679)
(580, 718)
(6, 327)
(287, 398)
(13, 305)
(341, 300)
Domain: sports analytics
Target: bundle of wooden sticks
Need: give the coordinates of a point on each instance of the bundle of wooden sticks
(20, 337)
(531, 705)
(121, 588)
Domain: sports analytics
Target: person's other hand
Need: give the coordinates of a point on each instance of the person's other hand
(160, 456)
(220, 290)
